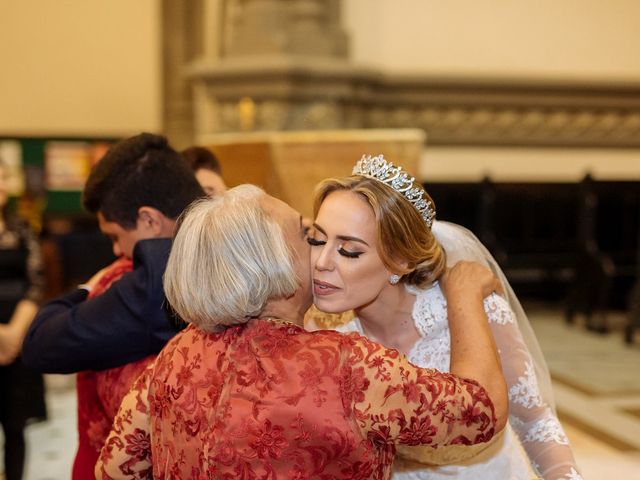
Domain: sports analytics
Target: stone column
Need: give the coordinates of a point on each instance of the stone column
(183, 40)
(282, 65)
(285, 27)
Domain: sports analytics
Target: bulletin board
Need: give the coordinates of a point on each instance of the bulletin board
(52, 168)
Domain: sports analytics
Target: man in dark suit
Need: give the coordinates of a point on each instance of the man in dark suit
(137, 190)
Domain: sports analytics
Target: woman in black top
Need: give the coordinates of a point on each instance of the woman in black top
(21, 390)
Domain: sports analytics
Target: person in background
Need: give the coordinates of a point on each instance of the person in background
(206, 168)
(246, 392)
(117, 319)
(21, 286)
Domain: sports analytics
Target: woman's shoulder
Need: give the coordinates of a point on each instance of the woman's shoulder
(194, 339)
(430, 308)
(433, 290)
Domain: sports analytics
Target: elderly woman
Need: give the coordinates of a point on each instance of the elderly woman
(245, 392)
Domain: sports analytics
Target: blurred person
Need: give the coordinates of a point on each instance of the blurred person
(206, 168)
(118, 318)
(376, 250)
(245, 392)
(21, 286)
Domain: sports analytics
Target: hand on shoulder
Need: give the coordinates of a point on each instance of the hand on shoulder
(469, 279)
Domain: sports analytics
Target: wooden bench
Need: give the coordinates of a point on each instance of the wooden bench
(570, 242)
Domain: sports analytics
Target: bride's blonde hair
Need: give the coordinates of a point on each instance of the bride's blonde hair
(403, 235)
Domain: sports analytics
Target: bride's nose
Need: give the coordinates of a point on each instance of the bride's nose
(323, 259)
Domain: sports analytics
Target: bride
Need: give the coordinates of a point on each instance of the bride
(377, 250)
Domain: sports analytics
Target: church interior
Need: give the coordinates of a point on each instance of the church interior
(521, 120)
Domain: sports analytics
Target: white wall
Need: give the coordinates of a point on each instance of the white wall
(585, 39)
(79, 67)
(535, 39)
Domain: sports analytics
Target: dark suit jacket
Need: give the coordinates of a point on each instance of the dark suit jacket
(128, 322)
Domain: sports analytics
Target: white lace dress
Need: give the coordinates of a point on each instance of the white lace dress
(533, 443)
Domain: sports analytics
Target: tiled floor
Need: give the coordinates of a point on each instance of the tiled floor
(52, 445)
(597, 387)
(596, 379)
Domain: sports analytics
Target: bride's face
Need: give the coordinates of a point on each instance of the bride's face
(347, 270)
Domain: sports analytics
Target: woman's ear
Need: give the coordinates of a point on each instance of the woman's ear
(402, 267)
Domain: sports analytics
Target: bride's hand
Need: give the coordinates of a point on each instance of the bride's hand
(468, 279)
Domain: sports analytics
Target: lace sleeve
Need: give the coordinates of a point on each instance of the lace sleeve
(394, 401)
(127, 452)
(531, 417)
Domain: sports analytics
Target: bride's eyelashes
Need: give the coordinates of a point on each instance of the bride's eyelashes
(314, 242)
(348, 254)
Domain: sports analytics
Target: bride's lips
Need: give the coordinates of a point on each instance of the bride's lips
(323, 288)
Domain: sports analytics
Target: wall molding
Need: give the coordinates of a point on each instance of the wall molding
(296, 94)
(270, 74)
(456, 111)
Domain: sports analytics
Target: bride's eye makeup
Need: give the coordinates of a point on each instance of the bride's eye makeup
(347, 253)
(342, 247)
(312, 237)
(314, 242)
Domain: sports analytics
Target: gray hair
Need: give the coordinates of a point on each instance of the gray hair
(229, 258)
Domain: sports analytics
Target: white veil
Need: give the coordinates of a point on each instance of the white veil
(461, 244)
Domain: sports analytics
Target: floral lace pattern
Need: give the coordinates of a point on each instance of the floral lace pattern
(434, 348)
(546, 430)
(494, 306)
(532, 420)
(525, 392)
(267, 400)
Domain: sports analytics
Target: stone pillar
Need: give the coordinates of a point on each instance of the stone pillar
(282, 65)
(183, 40)
(285, 27)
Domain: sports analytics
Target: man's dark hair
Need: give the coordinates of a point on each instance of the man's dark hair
(140, 171)
(200, 157)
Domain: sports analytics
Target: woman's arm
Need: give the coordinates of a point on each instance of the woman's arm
(126, 453)
(394, 401)
(12, 334)
(531, 416)
(473, 349)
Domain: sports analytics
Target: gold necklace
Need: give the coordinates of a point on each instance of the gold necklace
(279, 320)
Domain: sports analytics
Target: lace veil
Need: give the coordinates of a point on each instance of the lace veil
(461, 244)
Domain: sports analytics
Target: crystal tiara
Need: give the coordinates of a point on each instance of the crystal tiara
(379, 169)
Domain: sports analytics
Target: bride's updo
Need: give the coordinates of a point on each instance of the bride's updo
(403, 235)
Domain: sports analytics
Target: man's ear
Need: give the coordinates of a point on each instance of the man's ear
(151, 220)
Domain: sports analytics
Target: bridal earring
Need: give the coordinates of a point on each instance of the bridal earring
(393, 279)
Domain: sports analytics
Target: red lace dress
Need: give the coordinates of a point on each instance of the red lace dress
(272, 401)
(100, 393)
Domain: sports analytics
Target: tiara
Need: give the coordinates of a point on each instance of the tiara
(379, 169)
